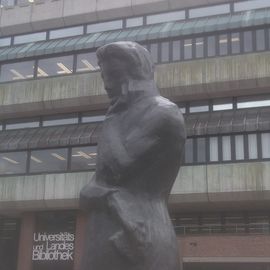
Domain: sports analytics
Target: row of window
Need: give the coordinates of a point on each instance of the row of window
(214, 223)
(227, 148)
(129, 22)
(162, 52)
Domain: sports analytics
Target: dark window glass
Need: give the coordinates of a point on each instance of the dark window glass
(17, 71)
(60, 120)
(13, 162)
(235, 43)
(201, 150)
(87, 62)
(189, 151)
(84, 158)
(260, 40)
(187, 49)
(66, 32)
(132, 22)
(211, 46)
(104, 26)
(176, 53)
(164, 51)
(199, 47)
(55, 66)
(49, 160)
(252, 146)
(154, 52)
(29, 38)
(5, 42)
(223, 44)
(208, 11)
(165, 17)
(248, 42)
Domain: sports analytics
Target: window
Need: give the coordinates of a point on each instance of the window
(55, 66)
(5, 42)
(87, 62)
(187, 49)
(222, 105)
(105, 26)
(239, 147)
(196, 107)
(252, 146)
(154, 52)
(211, 46)
(254, 4)
(260, 40)
(208, 11)
(60, 120)
(213, 144)
(13, 163)
(226, 148)
(265, 145)
(248, 42)
(201, 150)
(189, 151)
(66, 32)
(176, 50)
(235, 43)
(223, 44)
(90, 118)
(49, 160)
(7, 3)
(252, 102)
(199, 47)
(29, 38)
(17, 71)
(84, 158)
(132, 22)
(14, 124)
(165, 17)
(165, 57)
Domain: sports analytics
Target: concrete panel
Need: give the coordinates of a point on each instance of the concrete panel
(149, 6)
(79, 11)
(48, 15)
(107, 9)
(184, 4)
(22, 24)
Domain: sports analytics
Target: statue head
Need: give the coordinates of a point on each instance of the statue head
(121, 62)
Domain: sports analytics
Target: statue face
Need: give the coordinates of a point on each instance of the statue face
(114, 74)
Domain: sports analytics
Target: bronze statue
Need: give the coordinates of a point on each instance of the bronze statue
(139, 155)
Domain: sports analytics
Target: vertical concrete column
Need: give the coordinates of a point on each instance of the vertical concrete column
(26, 242)
(79, 239)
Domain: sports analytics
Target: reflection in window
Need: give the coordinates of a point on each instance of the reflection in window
(213, 144)
(49, 160)
(17, 71)
(260, 40)
(198, 107)
(253, 4)
(239, 147)
(187, 49)
(165, 17)
(83, 158)
(211, 46)
(67, 32)
(226, 148)
(132, 22)
(29, 38)
(87, 62)
(55, 66)
(176, 50)
(60, 120)
(248, 103)
(223, 45)
(222, 105)
(92, 118)
(266, 145)
(208, 11)
(5, 42)
(189, 151)
(201, 150)
(235, 43)
(22, 124)
(105, 26)
(154, 52)
(199, 47)
(248, 42)
(252, 146)
(13, 163)
(165, 52)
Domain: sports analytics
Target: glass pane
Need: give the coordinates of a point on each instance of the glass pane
(5, 42)
(105, 26)
(59, 120)
(13, 163)
(250, 102)
(17, 71)
(201, 150)
(49, 160)
(29, 38)
(92, 118)
(165, 17)
(235, 42)
(248, 43)
(7, 3)
(131, 22)
(87, 62)
(239, 147)
(254, 4)
(165, 52)
(189, 151)
(208, 11)
(222, 105)
(66, 32)
(55, 66)
(213, 144)
(154, 52)
(211, 46)
(266, 145)
(223, 45)
(252, 146)
(198, 107)
(83, 158)
(226, 148)
(199, 47)
(260, 40)
(176, 50)
(187, 49)
(22, 124)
